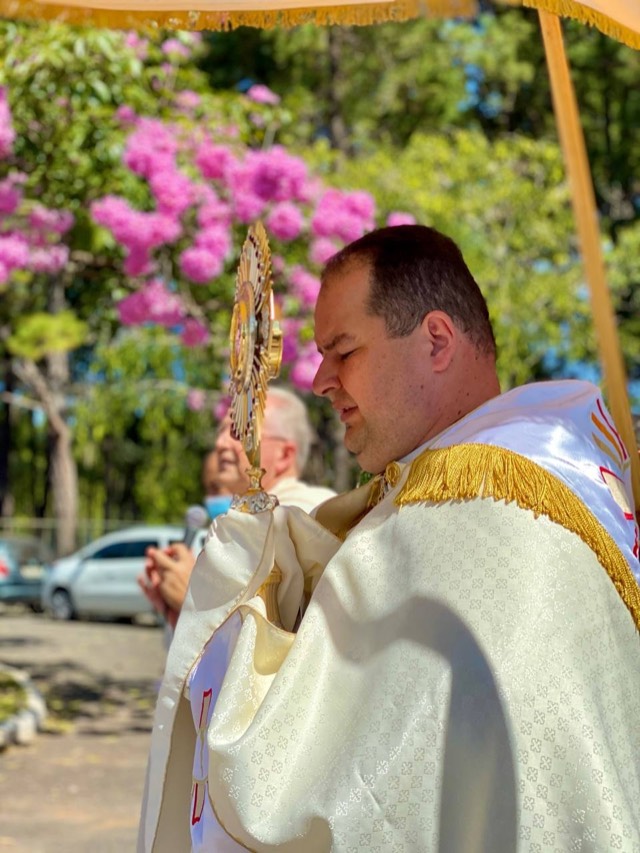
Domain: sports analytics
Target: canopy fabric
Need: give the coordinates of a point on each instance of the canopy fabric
(619, 19)
(228, 14)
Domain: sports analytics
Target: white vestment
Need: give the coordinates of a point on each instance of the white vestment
(466, 677)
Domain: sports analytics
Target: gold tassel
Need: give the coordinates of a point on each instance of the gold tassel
(572, 9)
(362, 14)
(469, 471)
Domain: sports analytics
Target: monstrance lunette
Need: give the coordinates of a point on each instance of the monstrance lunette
(255, 355)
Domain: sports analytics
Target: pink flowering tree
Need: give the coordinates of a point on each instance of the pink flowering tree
(59, 149)
(206, 183)
(126, 189)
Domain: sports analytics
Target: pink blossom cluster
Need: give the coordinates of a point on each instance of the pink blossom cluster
(10, 195)
(345, 216)
(187, 100)
(48, 259)
(28, 250)
(200, 264)
(30, 239)
(47, 220)
(276, 175)
(196, 399)
(291, 328)
(140, 46)
(304, 370)
(173, 191)
(263, 177)
(221, 408)
(181, 48)
(213, 210)
(7, 133)
(175, 49)
(321, 250)
(14, 254)
(194, 333)
(151, 148)
(262, 94)
(304, 285)
(153, 302)
(139, 232)
(285, 221)
(133, 227)
(126, 115)
(209, 184)
(400, 218)
(214, 160)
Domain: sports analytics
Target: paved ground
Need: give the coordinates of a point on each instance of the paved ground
(77, 787)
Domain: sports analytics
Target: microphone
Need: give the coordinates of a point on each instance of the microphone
(195, 518)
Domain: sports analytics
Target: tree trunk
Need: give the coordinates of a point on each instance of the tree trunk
(64, 483)
(63, 469)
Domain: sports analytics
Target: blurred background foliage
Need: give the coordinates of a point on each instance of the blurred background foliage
(448, 121)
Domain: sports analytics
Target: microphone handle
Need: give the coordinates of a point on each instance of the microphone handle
(190, 534)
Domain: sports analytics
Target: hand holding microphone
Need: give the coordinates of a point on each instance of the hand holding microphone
(168, 570)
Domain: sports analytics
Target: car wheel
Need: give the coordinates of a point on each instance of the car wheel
(61, 605)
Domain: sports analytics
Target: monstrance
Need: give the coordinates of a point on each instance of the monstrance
(255, 357)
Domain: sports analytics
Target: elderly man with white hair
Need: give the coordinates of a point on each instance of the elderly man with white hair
(287, 436)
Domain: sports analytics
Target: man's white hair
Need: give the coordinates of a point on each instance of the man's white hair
(286, 417)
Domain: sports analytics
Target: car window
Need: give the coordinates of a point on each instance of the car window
(120, 550)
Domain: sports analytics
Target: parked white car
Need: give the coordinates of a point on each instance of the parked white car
(101, 578)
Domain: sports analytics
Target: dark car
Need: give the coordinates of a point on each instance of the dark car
(24, 560)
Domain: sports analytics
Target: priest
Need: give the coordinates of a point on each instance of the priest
(445, 659)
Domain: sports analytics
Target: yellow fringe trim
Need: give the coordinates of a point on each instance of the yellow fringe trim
(478, 470)
(264, 18)
(573, 9)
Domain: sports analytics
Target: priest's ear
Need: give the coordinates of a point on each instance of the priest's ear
(441, 338)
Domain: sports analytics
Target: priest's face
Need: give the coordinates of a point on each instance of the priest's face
(382, 387)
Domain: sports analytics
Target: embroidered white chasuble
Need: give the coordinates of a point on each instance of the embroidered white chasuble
(466, 677)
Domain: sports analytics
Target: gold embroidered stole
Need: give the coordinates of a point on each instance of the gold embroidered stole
(467, 471)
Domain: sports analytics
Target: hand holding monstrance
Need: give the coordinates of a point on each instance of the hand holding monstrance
(256, 353)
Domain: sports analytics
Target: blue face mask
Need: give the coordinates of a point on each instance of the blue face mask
(217, 504)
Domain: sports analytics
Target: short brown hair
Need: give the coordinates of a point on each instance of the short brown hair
(415, 270)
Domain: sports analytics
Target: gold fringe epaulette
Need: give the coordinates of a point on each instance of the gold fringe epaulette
(218, 15)
(576, 10)
(469, 471)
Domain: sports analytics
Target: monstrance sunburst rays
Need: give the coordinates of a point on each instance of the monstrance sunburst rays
(256, 353)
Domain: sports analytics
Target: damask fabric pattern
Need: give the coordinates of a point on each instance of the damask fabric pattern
(488, 702)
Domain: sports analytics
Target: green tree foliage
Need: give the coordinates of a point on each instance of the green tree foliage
(388, 82)
(450, 121)
(139, 445)
(38, 334)
(64, 86)
(624, 263)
